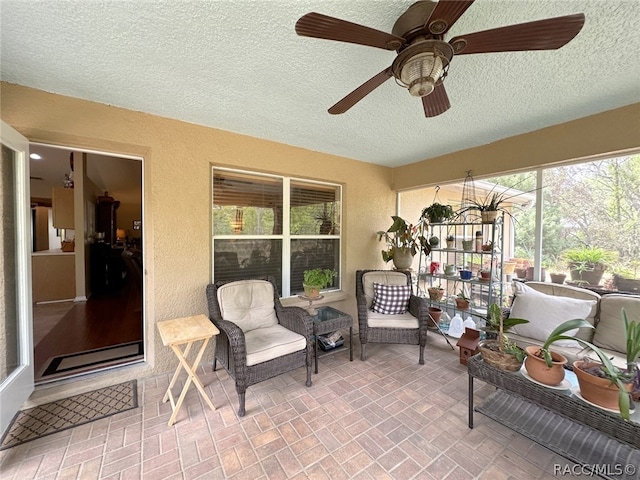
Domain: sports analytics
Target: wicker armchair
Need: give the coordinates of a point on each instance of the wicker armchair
(259, 338)
(409, 328)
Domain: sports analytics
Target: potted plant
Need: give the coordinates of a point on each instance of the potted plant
(467, 245)
(434, 241)
(492, 204)
(546, 366)
(316, 279)
(487, 247)
(605, 384)
(462, 301)
(435, 293)
(437, 213)
(587, 264)
(557, 274)
(403, 240)
(626, 279)
(451, 241)
(498, 350)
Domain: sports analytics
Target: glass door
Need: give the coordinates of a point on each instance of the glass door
(16, 339)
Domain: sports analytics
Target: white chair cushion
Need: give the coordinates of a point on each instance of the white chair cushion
(384, 277)
(271, 342)
(380, 320)
(248, 304)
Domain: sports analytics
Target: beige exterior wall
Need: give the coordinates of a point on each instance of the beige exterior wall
(589, 137)
(177, 198)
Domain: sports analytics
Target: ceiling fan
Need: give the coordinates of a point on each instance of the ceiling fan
(424, 56)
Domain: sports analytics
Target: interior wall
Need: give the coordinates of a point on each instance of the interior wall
(615, 130)
(177, 175)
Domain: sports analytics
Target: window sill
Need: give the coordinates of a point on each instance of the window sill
(328, 297)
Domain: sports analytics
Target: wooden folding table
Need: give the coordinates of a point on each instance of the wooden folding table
(186, 331)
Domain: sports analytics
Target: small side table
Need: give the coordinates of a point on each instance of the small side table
(327, 320)
(178, 332)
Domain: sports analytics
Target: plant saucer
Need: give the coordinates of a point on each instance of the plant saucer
(576, 392)
(564, 385)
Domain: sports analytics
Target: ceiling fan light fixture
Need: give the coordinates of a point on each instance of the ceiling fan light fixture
(421, 72)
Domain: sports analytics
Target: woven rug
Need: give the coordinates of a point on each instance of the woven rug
(579, 443)
(90, 359)
(70, 412)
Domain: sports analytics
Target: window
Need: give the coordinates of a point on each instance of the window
(265, 225)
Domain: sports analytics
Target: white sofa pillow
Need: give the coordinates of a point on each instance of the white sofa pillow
(546, 312)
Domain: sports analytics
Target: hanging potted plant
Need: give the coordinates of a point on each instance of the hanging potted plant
(499, 351)
(316, 279)
(437, 213)
(403, 241)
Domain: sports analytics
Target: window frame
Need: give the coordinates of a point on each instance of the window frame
(286, 237)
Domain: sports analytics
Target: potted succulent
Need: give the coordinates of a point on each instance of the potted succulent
(587, 264)
(434, 241)
(498, 350)
(451, 241)
(435, 293)
(437, 213)
(403, 241)
(462, 301)
(316, 279)
(546, 366)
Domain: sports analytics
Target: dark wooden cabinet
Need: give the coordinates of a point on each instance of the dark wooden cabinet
(106, 218)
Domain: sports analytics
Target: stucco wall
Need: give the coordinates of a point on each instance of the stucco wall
(177, 171)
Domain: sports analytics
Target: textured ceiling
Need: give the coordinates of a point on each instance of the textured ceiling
(239, 66)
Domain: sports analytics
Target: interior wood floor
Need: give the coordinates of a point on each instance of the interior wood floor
(106, 319)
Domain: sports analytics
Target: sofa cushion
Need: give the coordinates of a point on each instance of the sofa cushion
(382, 276)
(610, 330)
(546, 312)
(390, 299)
(248, 304)
(403, 320)
(272, 342)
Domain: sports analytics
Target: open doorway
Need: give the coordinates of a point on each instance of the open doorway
(87, 261)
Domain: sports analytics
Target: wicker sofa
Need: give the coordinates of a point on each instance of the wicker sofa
(538, 300)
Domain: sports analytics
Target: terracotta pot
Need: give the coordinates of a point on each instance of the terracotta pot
(538, 370)
(558, 278)
(435, 314)
(595, 389)
(521, 272)
(462, 304)
(311, 292)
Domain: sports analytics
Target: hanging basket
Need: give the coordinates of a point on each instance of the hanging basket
(488, 216)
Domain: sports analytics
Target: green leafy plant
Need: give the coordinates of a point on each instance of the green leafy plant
(319, 277)
(498, 325)
(589, 257)
(437, 212)
(404, 236)
(463, 296)
(616, 375)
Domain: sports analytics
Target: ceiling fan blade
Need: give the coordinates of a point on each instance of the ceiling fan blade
(437, 102)
(329, 28)
(362, 91)
(548, 34)
(445, 14)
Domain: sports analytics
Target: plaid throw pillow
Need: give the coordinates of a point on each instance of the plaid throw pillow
(390, 299)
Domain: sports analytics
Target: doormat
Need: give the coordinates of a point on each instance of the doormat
(70, 412)
(68, 364)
